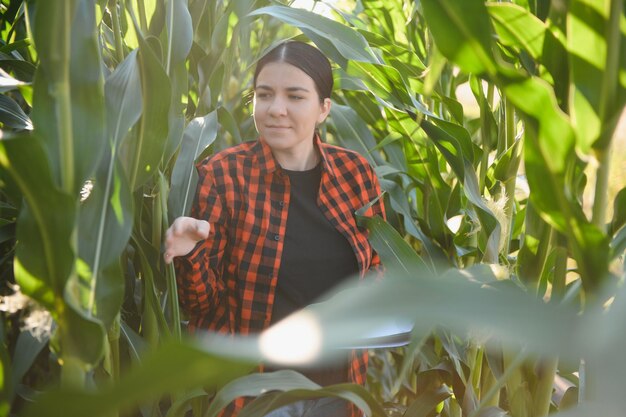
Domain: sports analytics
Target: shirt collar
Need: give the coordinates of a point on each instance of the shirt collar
(268, 164)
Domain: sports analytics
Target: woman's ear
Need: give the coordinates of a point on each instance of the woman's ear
(325, 110)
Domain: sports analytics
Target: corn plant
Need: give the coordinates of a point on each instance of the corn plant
(506, 290)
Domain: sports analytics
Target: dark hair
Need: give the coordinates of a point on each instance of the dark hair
(305, 57)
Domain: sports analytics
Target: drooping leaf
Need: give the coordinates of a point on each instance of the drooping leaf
(26, 350)
(8, 83)
(587, 52)
(450, 148)
(77, 94)
(44, 257)
(518, 27)
(123, 99)
(462, 32)
(347, 41)
(353, 133)
(179, 28)
(352, 393)
(171, 368)
(12, 115)
(105, 223)
(144, 152)
(384, 81)
(7, 385)
(394, 252)
(199, 134)
(296, 387)
(426, 402)
(619, 211)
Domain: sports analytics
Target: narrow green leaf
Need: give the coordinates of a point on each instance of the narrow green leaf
(535, 98)
(588, 52)
(384, 81)
(199, 134)
(228, 122)
(144, 152)
(507, 163)
(180, 31)
(453, 153)
(427, 401)
(8, 83)
(534, 248)
(394, 252)
(619, 211)
(44, 257)
(171, 368)
(85, 337)
(12, 115)
(80, 109)
(123, 99)
(347, 41)
(352, 393)
(7, 384)
(26, 350)
(352, 132)
(136, 344)
(462, 32)
(105, 223)
(518, 27)
(433, 254)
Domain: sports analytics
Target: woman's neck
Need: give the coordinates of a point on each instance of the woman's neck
(297, 161)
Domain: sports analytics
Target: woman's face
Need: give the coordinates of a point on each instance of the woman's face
(287, 108)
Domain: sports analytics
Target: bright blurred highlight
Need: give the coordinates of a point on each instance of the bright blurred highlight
(296, 340)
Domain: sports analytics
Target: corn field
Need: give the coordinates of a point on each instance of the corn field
(493, 126)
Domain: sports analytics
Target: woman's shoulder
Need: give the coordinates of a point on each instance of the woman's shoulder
(338, 153)
(228, 156)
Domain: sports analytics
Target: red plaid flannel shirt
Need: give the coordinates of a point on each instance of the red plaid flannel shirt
(227, 282)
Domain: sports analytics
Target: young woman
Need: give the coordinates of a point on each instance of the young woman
(273, 225)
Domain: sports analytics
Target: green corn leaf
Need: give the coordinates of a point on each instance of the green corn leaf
(517, 27)
(12, 115)
(144, 152)
(384, 81)
(179, 29)
(462, 32)
(85, 335)
(123, 99)
(44, 257)
(352, 393)
(507, 163)
(347, 41)
(8, 83)
(199, 134)
(7, 384)
(352, 132)
(587, 52)
(171, 368)
(26, 350)
(394, 252)
(453, 153)
(83, 84)
(105, 223)
(426, 402)
(534, 249)
(618, 244)
(619, 211)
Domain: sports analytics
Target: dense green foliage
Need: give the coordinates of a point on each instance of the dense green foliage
(512, 283)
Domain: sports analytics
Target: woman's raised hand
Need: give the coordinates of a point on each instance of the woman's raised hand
(182, 236)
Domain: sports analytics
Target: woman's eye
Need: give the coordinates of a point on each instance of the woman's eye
(262, 95)
(296, 97)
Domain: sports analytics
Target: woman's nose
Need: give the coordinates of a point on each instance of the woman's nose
(278, 107)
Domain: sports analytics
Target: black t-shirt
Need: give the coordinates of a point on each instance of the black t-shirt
(316, 257)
